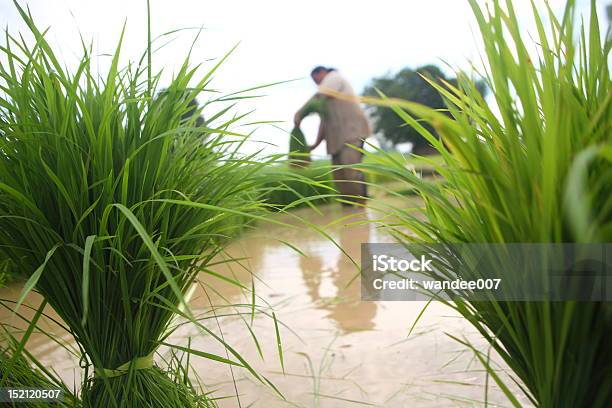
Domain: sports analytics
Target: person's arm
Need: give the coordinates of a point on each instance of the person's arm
(299, 115)
(320, 136)
(316, 104)
(297, 119)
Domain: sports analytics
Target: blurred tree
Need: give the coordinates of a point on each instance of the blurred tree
(407, 84)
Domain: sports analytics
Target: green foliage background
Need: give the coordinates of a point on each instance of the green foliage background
(408, 84)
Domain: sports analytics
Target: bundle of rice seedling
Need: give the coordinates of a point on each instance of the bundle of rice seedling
(299, 151)
(538, 171)
(111, 202)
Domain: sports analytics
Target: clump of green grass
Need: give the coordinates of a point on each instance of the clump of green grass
(113, 197)
(539, 170)
(289, 187)
(299, 186)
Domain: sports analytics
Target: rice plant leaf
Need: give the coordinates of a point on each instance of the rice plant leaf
(223, 278)
(22, 199)
(203, 354)
(279, 345)
(89, 241)
(420, 315)
(33, 280)
(146, 238)
(490, 371)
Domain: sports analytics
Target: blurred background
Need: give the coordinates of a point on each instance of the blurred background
(282, 41)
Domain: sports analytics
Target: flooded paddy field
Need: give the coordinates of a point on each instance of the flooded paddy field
(337, 350)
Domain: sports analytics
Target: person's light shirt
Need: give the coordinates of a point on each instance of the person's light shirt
(336, 82)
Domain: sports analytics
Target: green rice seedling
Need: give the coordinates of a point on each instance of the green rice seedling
(111, 203)
(299, 186)
(299, 153)
(533, 165)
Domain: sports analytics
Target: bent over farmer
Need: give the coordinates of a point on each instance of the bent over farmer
(343, 126)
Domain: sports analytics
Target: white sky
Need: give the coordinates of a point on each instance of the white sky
(279, 40)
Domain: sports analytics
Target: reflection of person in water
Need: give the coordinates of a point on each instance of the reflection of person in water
(349, 312)
(311, 267)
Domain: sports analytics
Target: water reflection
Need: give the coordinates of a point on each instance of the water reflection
(345, 308)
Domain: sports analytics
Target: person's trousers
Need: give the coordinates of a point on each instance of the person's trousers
(349, 181)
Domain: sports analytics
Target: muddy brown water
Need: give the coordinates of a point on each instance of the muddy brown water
(337, 350)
